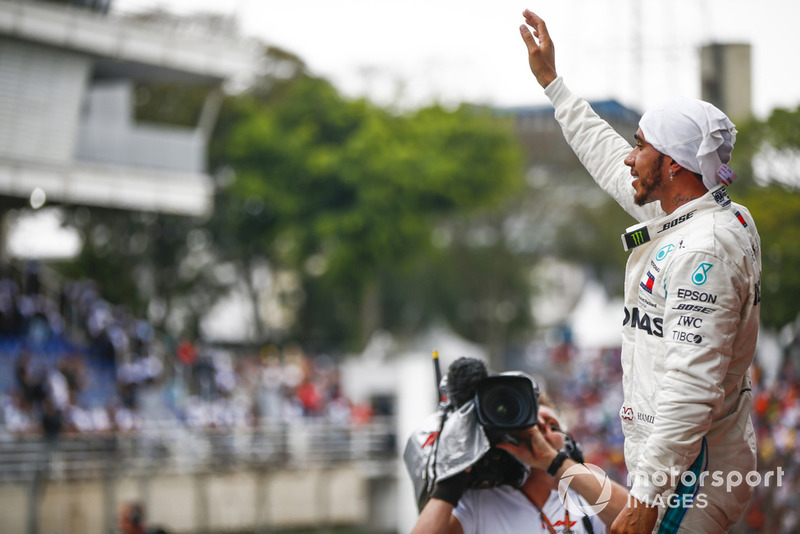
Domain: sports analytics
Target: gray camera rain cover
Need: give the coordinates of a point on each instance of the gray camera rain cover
(430, 455)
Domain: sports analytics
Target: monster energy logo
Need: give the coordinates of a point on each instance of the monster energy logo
(636, 237)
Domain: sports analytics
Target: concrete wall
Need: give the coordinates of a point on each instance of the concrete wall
(41, 101)
(241, 501)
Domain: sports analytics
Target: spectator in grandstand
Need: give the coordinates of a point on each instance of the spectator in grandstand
(11, 320)
(52, 420)
(270, 395)
(133, 520)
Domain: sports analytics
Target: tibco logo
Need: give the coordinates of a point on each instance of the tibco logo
(579, 506)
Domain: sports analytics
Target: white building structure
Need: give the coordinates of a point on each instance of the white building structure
(67, 73)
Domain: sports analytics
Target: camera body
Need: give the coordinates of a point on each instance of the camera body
(477, 412)
(504, 403)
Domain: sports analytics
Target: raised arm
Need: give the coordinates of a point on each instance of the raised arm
(541, 54)
(601, 149)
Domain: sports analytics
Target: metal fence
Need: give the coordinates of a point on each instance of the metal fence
(169, 448)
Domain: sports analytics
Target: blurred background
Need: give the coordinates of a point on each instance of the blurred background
(231, 236)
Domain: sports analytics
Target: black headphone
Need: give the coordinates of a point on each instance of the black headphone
(571, 445)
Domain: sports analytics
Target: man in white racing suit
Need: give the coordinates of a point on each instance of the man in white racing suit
(692, 301)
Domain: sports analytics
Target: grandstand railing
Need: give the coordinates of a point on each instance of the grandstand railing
(167, 449)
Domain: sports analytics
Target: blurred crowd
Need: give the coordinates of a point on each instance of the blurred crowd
(587, 388)
(74, 363)
(777, 418)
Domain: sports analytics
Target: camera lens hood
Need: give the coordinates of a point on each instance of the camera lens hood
(507, 402)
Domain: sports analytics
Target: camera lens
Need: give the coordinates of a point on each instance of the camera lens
(507, 402)
(504, 407)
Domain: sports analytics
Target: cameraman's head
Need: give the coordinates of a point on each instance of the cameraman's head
(549, 422)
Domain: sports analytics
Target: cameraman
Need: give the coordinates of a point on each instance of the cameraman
(535, 506)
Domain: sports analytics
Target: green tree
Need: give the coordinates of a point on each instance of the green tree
(156, 265)
(341, 202)
(766, 157)
(776, 211)
(347, 195)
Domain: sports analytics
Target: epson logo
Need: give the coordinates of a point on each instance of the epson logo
(642, 321)
(691, 294)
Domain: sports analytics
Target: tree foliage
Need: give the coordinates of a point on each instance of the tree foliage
(776, 211)
(348, 195)
(775, 207)
(364, 219)
(153, 264)
(372, 219)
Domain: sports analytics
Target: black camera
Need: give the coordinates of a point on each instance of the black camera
(476, 413)
(507, 402)
(504, 403)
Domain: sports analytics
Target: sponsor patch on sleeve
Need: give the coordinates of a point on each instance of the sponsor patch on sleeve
(647, 282)
(700, 275)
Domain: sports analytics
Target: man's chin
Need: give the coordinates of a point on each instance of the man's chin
(642, 198)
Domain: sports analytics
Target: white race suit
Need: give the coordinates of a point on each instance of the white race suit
(692, 301)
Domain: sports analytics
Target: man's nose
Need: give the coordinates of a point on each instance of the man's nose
(629, 159)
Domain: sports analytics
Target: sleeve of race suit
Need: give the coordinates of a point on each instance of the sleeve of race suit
(600, 149)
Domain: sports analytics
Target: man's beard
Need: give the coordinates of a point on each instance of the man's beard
(649, 182)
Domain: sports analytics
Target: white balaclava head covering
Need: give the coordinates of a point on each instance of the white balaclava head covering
(695, 134)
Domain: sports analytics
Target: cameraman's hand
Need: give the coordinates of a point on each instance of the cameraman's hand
(451, 489)
(437, 514)
(533, 449)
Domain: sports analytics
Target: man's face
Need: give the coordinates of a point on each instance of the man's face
(547, 420)
(648, 169)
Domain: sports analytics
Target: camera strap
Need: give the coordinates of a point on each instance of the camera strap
(550, 528)
(587, 523)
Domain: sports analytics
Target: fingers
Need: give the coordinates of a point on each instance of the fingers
(539, 30)
(538, 25)
(533, 449)
(539, 444)
(530, 42)
(541, 54)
